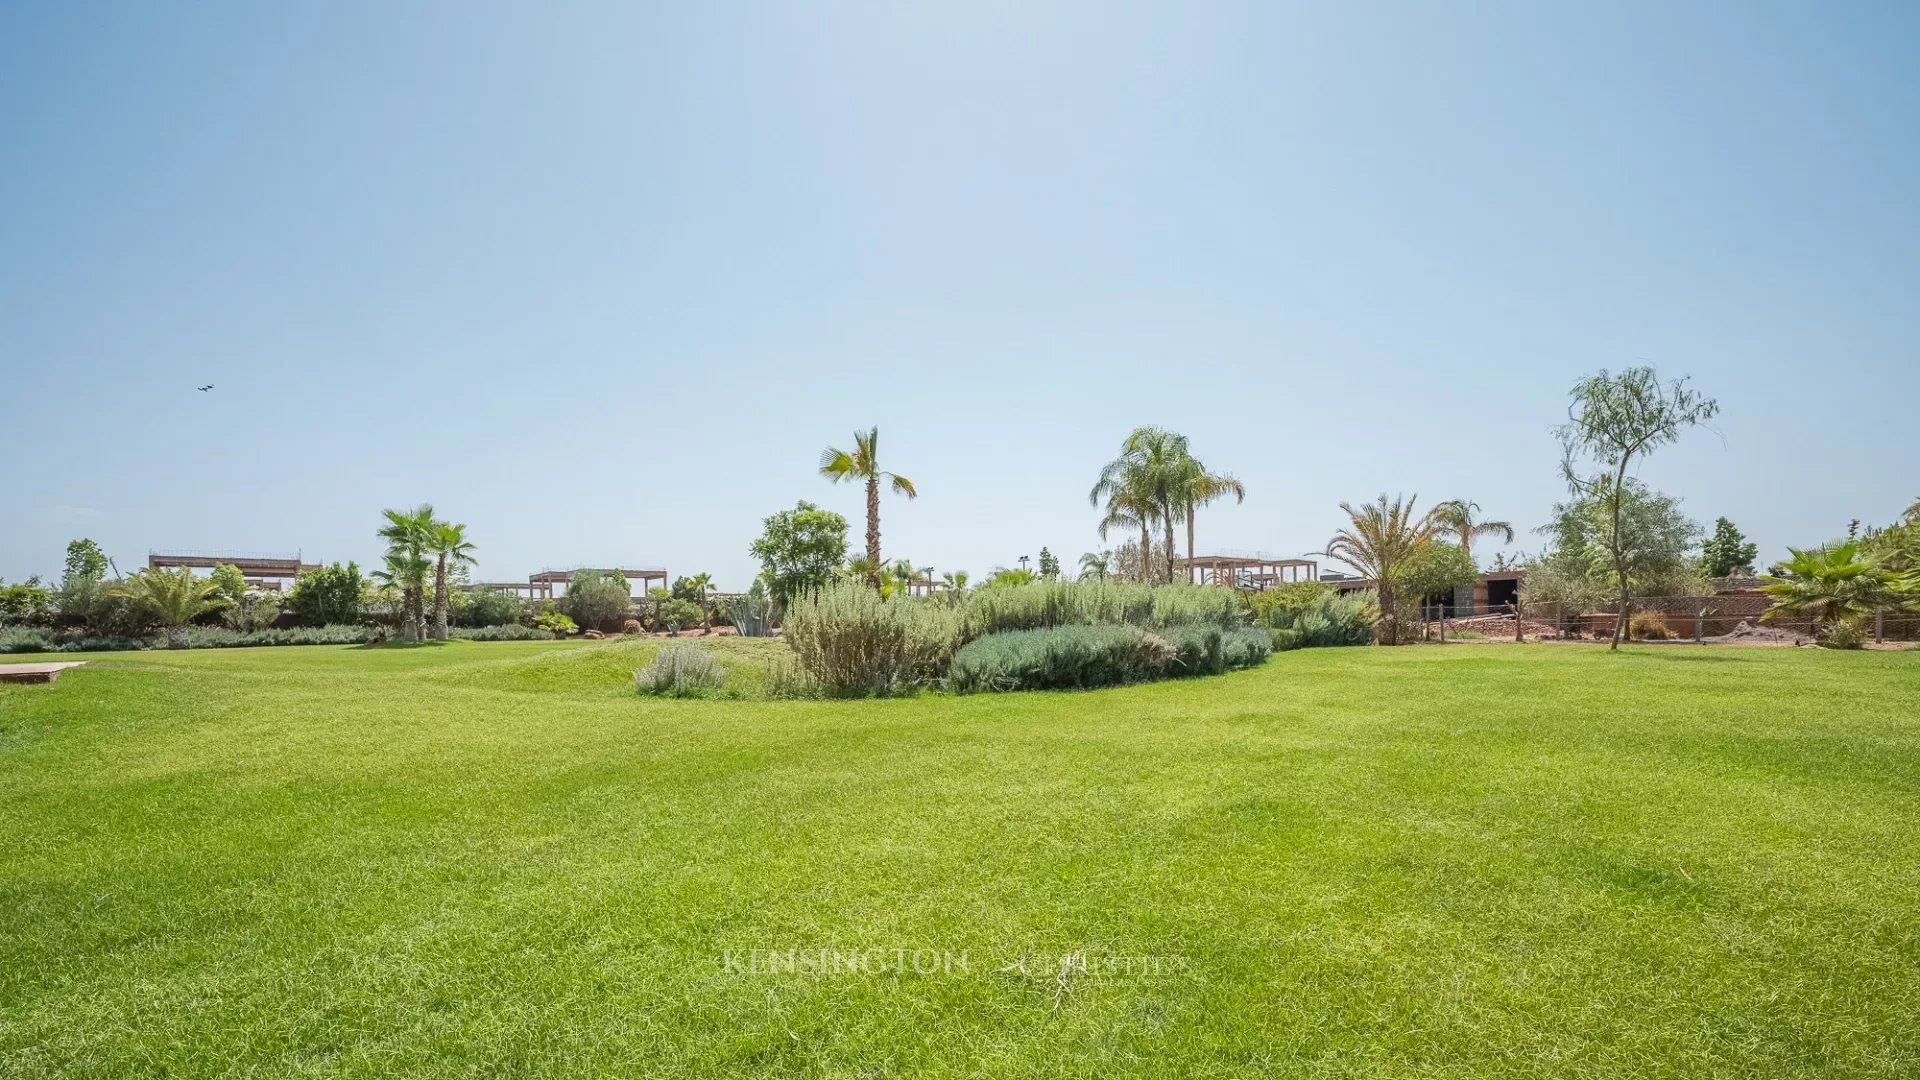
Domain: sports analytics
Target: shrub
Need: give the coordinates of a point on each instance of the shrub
(1196, 649)
(1848, 632)
(1286, 639)
(506, 632)
(1276, 606)
(598, 601)
(26, 603)
(553, 622)
(491, 607)
(1328, 619)
(328, 596)
(631, 626)
(1060, 658)
(680, 671)
(221, 637)
(1098, 602)
(1648, 626)
(852, 641)
(676, 614)
(1245, 647)
(24, 639)
(252, 611)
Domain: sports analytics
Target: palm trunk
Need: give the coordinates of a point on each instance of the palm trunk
(1167, 517)
(873, 531)
(1619, 556)
(1389, 621)
(440, 599)
(1189, 541)
(1146, 553)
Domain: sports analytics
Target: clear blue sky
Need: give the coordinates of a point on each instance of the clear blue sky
(602, 282)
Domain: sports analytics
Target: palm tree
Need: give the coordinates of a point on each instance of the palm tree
(408, 535)
(172, 598)
(1145, 486)
(1097, 564)
(1202, 487)
(1455, 518)
(1382, 537)
(448, 543)
(955, 581)
(863, 463)
(1829, 585)
(405, 576)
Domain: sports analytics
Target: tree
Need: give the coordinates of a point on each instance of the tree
(172, 598)
(409, 535)
(79, 590)
(492, 607)
(1833, 585)
(230, 581)
(955, 581)
(1096, 564)
(1614, 419)
(694, 590)
(1196, 487)
(1383, 537)
(1456, 518)
(799, 550)
(598, 601)
(1147, 484)
(449, 545)
(1000, 578)
(1727, 550)
(1435, 569)
(26, 603)
(1049, 565)
(862, 463)
(328, 596)
(1654, 540)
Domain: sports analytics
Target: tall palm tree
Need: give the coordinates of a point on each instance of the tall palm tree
(405, 576)
(1143, 486)
(1380, 539)
(1096, 564)
(955, 581)
(1201, 487)
(1455, 518)
(863, 463)
(449, 545)
(1830, 584)
(408, 533)
(172, 598)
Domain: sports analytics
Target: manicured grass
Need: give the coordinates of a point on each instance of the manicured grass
(494, 859)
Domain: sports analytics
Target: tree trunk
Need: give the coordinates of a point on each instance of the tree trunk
(873, 531)
(1619, 555)
(1146, 553)
(1389, 623)
(1189, 541)
(1168, 516)
(440, 599)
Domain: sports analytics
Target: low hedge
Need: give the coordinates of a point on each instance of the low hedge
(1083, 657)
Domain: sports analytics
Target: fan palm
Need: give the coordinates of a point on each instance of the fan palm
(408, 533)
(1830, 584)
(862, 463)
(955, 581)
(405, 576)
(449, 545)
(1455, 518)
(1382, 536)
(172, 598)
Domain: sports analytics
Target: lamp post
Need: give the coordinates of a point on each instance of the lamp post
(1023, 562)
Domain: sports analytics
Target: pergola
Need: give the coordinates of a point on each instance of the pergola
(265, 571)
(1255, 571)
(549, 578)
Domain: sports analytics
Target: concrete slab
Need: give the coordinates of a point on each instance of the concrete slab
(36, 673)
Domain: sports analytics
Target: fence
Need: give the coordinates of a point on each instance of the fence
(1735, 618)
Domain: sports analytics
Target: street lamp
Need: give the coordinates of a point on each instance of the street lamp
(1023, 562)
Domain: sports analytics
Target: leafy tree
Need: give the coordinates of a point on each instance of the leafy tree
(799, 550)
(1435, 569)
(1833, 585)
(26, 603)
(862, 464)
(492, 607)
(1096, 564)
(448, 544)
(330, 595)
(172, 598)
(1381, 540)
(1651, 547)
(598, 601)
(1001, 578)
(1049, 565)
(230, 581)
(1727, 550)
(1458, 518)
(1614, 419)
(80, 582)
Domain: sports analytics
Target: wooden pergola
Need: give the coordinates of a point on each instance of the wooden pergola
(549, 578)
(1250, 571)
(262, 571)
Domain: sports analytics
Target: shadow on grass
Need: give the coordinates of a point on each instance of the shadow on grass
(400, 645)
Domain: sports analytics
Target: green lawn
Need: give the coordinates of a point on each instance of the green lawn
(495, 860)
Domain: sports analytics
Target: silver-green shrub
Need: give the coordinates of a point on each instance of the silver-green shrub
(851, 641)
(680, 671)
(1099, 602)
(1060, 658)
